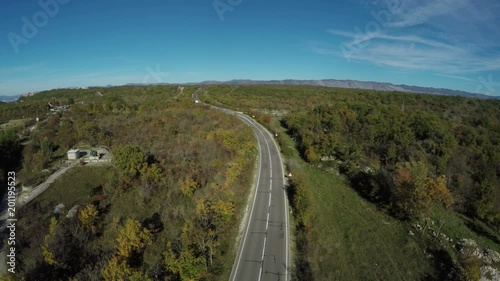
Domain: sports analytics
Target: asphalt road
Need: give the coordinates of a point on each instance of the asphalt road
(264, 249)
(263, 253)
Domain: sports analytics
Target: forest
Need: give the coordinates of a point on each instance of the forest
(167, 208)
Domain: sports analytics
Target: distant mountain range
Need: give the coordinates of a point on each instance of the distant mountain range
(9, 98)
(349, 84)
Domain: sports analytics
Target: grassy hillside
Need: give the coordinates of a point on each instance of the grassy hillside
(354, 241)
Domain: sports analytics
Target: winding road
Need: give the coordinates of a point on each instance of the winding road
(263, 253)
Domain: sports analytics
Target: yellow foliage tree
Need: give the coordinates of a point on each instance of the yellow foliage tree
(472, 266)
(132, 237)
(118, 270)
(88, 217)
(151, 173)
(212, 218)
(439, 192)
(311, 155)
(188, 187)
(186, 264)
(415, 193)
(48, 256)
(115, 270)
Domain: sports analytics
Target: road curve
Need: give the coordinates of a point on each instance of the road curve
(263, 253)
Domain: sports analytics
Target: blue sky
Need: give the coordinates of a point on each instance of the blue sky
(49, 44)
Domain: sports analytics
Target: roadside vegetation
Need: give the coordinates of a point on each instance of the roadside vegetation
(169, 205)
(385, 185)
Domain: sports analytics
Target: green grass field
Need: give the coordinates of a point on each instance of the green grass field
(351, 239)
(15, 123)
(75, 186)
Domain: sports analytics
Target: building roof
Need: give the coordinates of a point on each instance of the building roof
(73, 150)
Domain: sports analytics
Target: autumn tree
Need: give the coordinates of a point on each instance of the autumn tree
(300, 199)
(132, 237)
(60, 245)
(210, 221)
(185, 264)
(472, 267)
(151, 174)
(48, 255)
(88, 217)
(188, 187)
(118, 270)
(311, 155)
(415, 193)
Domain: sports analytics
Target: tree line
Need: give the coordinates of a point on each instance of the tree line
(408, 159)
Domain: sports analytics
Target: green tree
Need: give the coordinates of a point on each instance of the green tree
(472, 267)
(151, 174)
(186, 264)
(130, 159)
(484, 199)
(46, 147)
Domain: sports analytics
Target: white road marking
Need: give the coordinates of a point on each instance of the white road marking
(259, 129)
(267, 221)
(250, 216)
(284, 196)
(264, 248)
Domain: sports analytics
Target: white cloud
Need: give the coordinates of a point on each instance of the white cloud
(357, 39)
(456, 77)
(413, 13)
(424, 57)
(447, 36)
